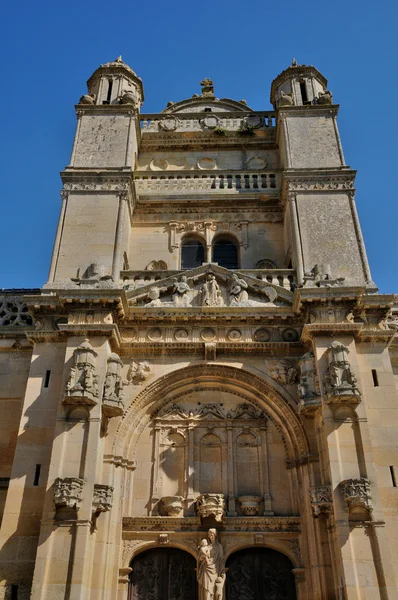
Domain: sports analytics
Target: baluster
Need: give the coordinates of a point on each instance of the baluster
(263, 180)
(255, 181)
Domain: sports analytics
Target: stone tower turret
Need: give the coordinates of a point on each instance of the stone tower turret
(300, 85)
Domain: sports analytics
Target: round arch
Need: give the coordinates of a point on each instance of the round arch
(254, 389)
(192, 251)
(225, 251)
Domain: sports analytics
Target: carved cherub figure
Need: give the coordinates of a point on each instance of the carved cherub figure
(180, 291)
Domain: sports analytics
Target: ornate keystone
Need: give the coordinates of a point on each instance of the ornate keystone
(250, 505)
(68, 492)
(112, 401)
(340, 381)
(321, 497)
(356, 493)
(102, 498)
(308, 387)
(211, 505)
(82, 384)
(172, 505)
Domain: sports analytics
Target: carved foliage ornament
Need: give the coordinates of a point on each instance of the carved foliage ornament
(82, 383)
(102, 498)
(211, 505)
(356, 493)
(321, 497)
(67, 492)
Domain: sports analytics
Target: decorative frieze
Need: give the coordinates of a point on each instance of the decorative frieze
(357, 494)
(102, 498)
(340, 381)
(321, 497)
(82, 383)
(211, 505)
(67, 492)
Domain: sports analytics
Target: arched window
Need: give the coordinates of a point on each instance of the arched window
(192, 253)
(225, 253)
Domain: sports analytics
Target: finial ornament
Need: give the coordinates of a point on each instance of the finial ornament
(294, 62)
(119, 59)
(207, 87)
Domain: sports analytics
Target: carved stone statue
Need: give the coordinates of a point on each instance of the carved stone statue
(308, 386)
(283, 372)
(340, 380)
(81, 385)
(207, 87)
(211, 570)
(325, 97)
(112, 401)
(87, 99)
(154, 294)
(286, 99)
(237, 291)
(180, 292)
(211, 293)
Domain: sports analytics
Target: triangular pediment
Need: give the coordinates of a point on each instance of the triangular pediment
(209, 286)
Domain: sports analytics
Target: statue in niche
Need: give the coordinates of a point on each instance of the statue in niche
(180, 292)
(211, 293)
(237, 291)
(211, 571)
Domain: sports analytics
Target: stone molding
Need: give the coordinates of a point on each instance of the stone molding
(67, 492)
(290, 524)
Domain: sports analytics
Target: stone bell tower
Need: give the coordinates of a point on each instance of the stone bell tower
(98, 196)
(318, 185)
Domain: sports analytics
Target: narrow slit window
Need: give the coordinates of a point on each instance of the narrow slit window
(109, 96)
(37, 476)
(393, 477)
(303, 90)
(375, 378)
(14, 592)
(47, 379)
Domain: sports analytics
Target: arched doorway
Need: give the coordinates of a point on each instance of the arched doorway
(258, 573)
(163, 574)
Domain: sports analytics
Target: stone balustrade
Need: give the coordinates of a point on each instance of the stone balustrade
(202, 181)
(199, 121)
(285, 278)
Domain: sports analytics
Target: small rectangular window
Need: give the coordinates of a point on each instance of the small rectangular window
(14, 592)
(393, 478)
(47, 379)
(4, 483)
(303, 90)
(37, 475)
(375, 378)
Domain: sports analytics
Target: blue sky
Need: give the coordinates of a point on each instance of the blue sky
(49, 49)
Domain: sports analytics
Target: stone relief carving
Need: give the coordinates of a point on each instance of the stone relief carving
(211, 567)
(325, 97)
(286, 99)
(156, 265)
(82, 383)
(102, 498)
(356, 493)
(250, 505)
(242, 411)
(67, 492)
(207, 289)
(321, 498)
(13, 311)
(266, 263)
(308, 386)
(211, 505)
(171, 506)
(181, 292)
(340, 381)
(139, 372)
(112, 400)
(210, 293)
(282, 371)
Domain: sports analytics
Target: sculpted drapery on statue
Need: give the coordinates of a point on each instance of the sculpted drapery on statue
(211, 570)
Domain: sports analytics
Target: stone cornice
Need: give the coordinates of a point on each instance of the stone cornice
(275, 524)
(310, 331)
(309, 110)
(106, 109)
(317, 180)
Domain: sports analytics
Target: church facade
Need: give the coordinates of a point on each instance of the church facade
(201, 402)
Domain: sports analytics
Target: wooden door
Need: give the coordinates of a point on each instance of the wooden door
(163, 574)
(259, 574)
